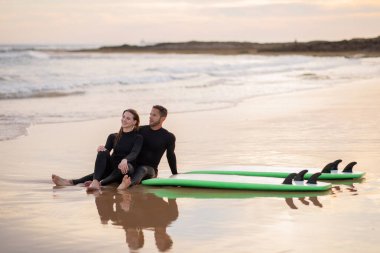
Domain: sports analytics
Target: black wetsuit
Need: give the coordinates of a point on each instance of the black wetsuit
(106, 165)
(156, 142)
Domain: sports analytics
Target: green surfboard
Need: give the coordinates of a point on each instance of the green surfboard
(331, 173)
(216, 181)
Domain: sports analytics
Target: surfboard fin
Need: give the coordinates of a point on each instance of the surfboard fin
(336, 163)
(349, 167)
(300, 175)
(331, 166)
(327, 168)
(289, 178)
(313, 178)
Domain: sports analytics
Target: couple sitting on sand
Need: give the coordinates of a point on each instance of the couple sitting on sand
(137, 151)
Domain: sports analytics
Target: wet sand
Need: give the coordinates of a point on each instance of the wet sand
(309, 128)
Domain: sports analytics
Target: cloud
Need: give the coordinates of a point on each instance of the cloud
(123, 21)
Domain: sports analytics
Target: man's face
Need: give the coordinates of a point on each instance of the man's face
(155, 118)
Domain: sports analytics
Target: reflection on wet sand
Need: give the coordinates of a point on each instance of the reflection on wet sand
(346, 186)
(146, 208)
(303, 197)
(179, 192)
(136, 211)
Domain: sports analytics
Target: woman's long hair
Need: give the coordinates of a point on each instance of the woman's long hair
(135, 128)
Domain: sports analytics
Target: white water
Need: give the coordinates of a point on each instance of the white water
(43, 86)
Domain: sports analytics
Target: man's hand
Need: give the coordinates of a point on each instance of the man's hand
(101, 148)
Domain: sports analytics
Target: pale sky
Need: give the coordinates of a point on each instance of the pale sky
(128, 21)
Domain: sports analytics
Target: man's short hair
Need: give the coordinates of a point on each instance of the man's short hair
(163, 110)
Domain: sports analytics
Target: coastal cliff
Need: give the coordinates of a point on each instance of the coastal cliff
(364, 47)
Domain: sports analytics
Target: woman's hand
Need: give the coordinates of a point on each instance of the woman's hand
(123, 166)
(101, 148)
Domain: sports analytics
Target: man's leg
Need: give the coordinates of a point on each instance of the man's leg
(81, 180)
(116, 176)
(59, 181)
(101, 165)
(141, 172)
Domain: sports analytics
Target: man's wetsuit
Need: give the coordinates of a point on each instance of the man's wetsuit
(106, 165)
(156, 142)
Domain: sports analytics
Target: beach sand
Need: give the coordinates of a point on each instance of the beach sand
(302, 129)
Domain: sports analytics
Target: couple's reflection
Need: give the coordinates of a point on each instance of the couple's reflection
(136, 211)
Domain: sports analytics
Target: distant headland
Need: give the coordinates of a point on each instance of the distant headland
(354, 47)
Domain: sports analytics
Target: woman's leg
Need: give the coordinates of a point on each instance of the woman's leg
(102, 165)
(102, 169)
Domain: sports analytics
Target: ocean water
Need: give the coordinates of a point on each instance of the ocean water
(48, 84)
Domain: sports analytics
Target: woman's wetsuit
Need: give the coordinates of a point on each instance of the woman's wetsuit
(106, 165)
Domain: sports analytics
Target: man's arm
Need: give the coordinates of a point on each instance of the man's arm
(170, 155)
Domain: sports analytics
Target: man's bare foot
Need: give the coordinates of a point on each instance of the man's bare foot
(61, 181)
(87, 183)
(94, 186)
(125, 183)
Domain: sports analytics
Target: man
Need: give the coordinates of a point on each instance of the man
(157, 140)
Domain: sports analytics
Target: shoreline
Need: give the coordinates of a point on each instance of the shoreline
(236, 106)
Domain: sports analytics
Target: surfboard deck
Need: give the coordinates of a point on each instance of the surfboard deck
(278, 172)
(235, 182)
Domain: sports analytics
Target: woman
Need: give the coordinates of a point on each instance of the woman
(111, 168)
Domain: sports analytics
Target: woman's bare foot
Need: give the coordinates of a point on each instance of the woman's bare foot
(94, 186)
(125, 183)
(61, 181)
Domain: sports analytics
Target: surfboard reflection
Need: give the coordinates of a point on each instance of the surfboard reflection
(314, 200)
(136, 211)
(291, 198)
(305, 198)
